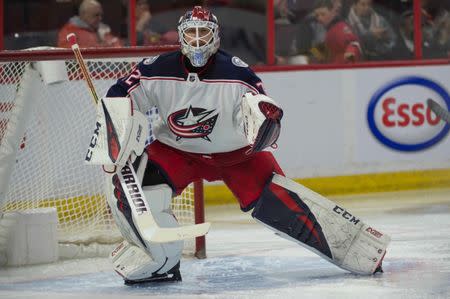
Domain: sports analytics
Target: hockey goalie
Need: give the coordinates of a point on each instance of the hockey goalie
(215, 123)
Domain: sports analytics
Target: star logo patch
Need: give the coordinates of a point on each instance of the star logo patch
(192, 123)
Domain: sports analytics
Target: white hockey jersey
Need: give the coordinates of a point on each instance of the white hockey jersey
(200, 108)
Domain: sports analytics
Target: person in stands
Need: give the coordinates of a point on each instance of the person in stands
(149, 33)
(405, 48)
(88, 27)
(341, 43)
(376, 34)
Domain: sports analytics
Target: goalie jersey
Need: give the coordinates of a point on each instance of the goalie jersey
(200, 108)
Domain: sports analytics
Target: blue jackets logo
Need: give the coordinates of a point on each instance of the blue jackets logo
(399, 118)
(192, 123)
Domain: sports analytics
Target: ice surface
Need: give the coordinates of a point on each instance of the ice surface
(246, 260)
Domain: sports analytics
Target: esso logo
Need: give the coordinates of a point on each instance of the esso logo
(398, 115)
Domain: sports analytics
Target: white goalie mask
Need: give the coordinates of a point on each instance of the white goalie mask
(198, 30)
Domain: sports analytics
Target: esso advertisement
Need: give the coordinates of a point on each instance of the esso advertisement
(399, 118)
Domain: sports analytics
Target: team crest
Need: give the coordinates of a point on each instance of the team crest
(192, 123)
(238, 62)
(150, 60)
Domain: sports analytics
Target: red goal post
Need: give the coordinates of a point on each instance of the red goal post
(46, 119)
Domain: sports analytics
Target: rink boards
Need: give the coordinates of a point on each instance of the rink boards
(359, 130)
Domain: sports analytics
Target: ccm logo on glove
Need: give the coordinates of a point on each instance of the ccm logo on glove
(93, 142)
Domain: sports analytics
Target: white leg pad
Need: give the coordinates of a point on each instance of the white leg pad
(137, 258)
(159, 197)
(132, 262)
(306, 217)
(120, 220)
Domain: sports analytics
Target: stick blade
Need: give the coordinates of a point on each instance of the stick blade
(439, 110)
(163, 235)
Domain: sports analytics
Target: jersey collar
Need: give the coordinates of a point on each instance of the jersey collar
(189, 68)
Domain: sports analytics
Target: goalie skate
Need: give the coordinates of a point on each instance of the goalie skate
(171, 275)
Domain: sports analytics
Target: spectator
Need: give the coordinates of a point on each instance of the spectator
(90, 31)
(308, 35)
(283, 9)
(442, 32)
(341, 44)
(296, 31)
(440, 23)
(149, 33)
(285, 44)
(375, 33)
(143, 16)
(405, 48)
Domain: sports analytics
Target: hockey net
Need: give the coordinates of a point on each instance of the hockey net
(46, 122)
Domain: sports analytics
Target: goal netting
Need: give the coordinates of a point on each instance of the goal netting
(46, 122)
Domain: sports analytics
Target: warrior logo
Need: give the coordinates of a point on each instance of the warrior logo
(192, 123)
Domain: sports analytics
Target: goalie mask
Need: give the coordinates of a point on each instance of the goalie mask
(199, 35)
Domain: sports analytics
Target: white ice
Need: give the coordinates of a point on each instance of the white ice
(246, 260)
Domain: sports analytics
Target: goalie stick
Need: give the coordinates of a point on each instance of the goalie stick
(439, 110)
(142, 216)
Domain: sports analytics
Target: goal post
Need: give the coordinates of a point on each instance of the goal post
(46, 122)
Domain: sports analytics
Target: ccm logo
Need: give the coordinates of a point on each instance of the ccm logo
(346, 215)
(398, 116)
(374, 232)
(138, 134)
(93, 142)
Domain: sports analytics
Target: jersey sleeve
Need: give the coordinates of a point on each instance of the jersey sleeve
(130, 86)
(351, 41)
(254, 85)
(254, 81)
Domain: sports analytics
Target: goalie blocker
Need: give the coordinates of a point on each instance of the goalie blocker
(301, 215)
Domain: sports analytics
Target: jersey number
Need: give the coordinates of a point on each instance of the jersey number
(133, 77)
